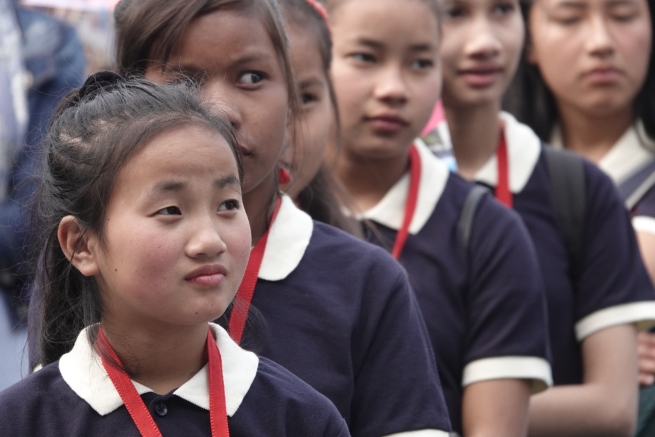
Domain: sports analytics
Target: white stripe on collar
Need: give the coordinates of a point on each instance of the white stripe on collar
(390, 211)
(627, 156)
(288, 239)
(83, 371)
(523, 151)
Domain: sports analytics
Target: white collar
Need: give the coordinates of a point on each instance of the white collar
(288, 239)
(390, 211)
(626, 157)
(83, 371)
(523, 151)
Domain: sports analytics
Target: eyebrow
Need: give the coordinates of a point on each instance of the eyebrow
(176, 187)
(314, 81)
(571, 4)
(421, 47)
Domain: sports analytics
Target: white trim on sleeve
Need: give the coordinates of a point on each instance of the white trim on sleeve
(512, 367)
(644, 224)
(421, 433)
(642, 313)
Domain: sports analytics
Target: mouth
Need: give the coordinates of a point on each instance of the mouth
(387, 123)
(481, 77)
(243, 150)
(603, 75)
(208, 275)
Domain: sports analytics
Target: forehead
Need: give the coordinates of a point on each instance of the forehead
(221, 38)
(306, 57)
(580, 4)
(398, 22)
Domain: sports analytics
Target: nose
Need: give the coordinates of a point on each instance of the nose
(483, 42)
(205, 240)
(391, 86)
(599, 38)
(219, 95)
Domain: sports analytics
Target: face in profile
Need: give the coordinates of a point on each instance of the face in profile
(316, 120)
(481, 47)
(592, 54)
(386, 73)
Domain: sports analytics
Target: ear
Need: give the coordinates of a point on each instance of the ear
(78, 246)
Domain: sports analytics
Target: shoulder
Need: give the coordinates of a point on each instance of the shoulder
(303, 410)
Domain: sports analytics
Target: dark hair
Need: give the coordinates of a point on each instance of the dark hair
(147, 32)
(530, 100)
(94, 131)
(323, 196)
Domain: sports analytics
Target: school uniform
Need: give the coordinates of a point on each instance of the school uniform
(338, 313)
(484, 304)
(75, 397)
(631, 158)
(612, 287)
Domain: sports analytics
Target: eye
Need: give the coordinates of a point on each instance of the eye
(229, 205)
(454, 12)
(363, 57)
(170, 210)
(422, 64)
(308, 98)
(251, 78)
(503, 8)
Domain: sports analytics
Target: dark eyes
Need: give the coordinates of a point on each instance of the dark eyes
(170, 210)
(363, 57)
(229, 205)
(308, 98)
(251, 78)
(503, 8)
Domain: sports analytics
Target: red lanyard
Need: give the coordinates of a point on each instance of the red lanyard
(138, 410)
(503, 193)
(412, 199)
(247, 287)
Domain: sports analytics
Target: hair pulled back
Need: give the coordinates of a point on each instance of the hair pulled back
(533, 103)
(93, 133)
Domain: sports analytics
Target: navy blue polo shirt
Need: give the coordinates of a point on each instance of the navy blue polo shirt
(75, 397)
(339, 313)
(484, 305)
(613, 287)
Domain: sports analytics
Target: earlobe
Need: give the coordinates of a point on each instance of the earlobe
(78, 246)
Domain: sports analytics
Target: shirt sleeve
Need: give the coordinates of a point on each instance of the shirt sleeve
(396, 374)
(507, 333)
(613, 287)
(643, 214)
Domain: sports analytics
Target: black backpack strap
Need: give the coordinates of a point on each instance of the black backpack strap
(569, 195)
(637, 185)
(466, 218)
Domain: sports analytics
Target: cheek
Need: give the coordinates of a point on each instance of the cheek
(636, 48)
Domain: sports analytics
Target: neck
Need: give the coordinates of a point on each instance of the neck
(368, 180)
(592, 136)
(260, 204)
(474, 133)
(160, 357)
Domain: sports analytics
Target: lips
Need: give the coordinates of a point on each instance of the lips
(387, 123)
(482, 76)
(603, 75)
(208, 275)
(243, 151)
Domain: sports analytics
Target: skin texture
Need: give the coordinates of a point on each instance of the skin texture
(231, 53)
(481, 46)
(385, 63)
(496, 408)
(316, 120)
(176, 207)
(593, 56)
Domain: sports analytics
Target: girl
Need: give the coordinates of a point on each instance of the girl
(312, 183)
(479, 291)
(337, 312)
(601, 106)
(145, 242)
(596, 294)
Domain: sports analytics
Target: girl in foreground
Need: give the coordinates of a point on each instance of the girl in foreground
(481, 294)
(334, 310)
(595, 294)
(145, 242)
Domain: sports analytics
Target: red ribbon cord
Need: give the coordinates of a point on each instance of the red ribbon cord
(503, 193)
(247, 288)
(137, 408)
(412, 199)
